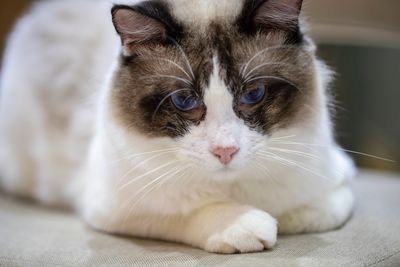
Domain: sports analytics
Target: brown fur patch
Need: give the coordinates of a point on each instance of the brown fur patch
(143, 83)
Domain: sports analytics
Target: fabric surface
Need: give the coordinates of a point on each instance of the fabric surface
(35, 236)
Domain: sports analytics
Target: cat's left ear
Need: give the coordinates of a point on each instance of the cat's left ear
(269, 15)
(140, 26)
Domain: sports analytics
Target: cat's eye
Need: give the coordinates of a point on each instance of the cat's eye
(254, 96)
(184, 102)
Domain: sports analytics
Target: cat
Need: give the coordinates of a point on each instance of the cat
(199, 122)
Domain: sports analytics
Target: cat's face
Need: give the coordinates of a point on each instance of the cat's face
(218, 92)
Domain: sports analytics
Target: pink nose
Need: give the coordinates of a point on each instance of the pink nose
(225, 155)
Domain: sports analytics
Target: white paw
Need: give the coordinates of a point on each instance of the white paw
(253, 231)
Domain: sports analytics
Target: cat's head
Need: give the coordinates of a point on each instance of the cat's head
(216, 78)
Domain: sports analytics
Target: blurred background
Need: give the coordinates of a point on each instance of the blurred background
(360, 40)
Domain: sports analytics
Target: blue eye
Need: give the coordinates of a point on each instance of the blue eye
(184, 103)
(254, 96)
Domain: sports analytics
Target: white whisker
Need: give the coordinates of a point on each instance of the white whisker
(145, 193)
(153, 185)
(295, 152)
(293, 163)
(282, 137)
(146, 174)
(143, 154)
(186, 81)
(153, 181)
(345, 150)
(176, 65)
(266, 171)
(244, 69)
(263, 65)
(143, 163)
(367, 155)
(184, 55)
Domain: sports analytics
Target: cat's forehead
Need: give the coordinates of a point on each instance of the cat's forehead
(200, 14)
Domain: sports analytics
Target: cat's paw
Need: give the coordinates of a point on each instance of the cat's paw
(252, 232)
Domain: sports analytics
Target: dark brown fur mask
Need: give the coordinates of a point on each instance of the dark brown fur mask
(161, 54)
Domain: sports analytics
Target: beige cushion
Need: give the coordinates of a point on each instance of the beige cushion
(34, 236)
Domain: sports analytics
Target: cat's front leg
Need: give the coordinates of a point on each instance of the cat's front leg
(322, 215)
(230, 228)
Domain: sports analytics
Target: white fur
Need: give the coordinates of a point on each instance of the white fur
(89, 161)
(202, 12)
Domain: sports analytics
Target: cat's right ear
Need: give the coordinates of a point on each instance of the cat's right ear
(270, 15)
(137, 29)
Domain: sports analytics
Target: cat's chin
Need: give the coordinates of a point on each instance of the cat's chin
(225, 174)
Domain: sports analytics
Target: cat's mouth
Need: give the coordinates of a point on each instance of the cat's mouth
(225, 173)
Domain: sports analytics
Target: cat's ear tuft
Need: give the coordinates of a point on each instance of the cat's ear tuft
(267, 15)
(136, 29)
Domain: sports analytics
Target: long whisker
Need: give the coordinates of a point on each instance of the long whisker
(182, 173)
(143, 163)
(154, 184)
(146, 174)
(295, 152)
(345, 150)
(282, 137)
(145, 193)
(143, 154)
(293, 163)
(153, 181)
(266, 171)
(189, 175)
(367, 155)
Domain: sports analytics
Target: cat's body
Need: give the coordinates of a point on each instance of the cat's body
(73, 131)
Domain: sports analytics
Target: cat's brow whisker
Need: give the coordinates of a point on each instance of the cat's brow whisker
(184, 55)
(272, 77)
(245, 67)
(176, 65)
(344, 150)
(247, 75)
(165, 98)
(186, 81)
